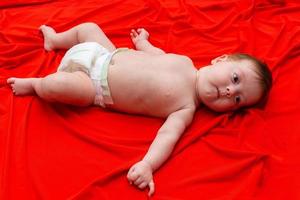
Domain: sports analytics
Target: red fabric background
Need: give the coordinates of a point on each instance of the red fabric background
(53, 151)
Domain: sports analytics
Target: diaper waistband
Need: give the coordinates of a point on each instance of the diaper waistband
(106, 94)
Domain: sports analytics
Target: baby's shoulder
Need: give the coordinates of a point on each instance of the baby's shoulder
(179, 60)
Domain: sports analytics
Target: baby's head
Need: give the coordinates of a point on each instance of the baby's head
(233, 81)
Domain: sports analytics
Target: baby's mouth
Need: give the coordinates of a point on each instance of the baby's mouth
(218, 92)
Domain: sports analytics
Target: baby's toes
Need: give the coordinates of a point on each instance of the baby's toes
(13, 88)
(11, 80)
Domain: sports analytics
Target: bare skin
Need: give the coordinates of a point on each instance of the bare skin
(168, 87)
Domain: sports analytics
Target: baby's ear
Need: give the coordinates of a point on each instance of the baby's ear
(224, 57)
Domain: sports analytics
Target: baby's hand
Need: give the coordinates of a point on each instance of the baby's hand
(141, 175)
(138, 35)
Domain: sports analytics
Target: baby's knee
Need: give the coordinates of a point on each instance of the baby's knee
(91, 26)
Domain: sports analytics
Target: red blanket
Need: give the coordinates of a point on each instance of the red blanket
(54, 151)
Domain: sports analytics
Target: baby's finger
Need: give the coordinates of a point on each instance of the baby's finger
(132, 35)
(134, 32)
(138, 181)
(132, 175)
(132, 169)
(142, 185)
(151, 188)
(140, 30)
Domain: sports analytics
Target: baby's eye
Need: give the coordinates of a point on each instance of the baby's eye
(235, 78)
(237, 99)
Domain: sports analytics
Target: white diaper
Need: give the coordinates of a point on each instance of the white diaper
(93, 59)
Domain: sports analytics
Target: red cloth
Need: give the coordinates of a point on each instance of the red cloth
(53, 151)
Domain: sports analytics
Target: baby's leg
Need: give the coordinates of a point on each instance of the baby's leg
(70, 88)
(86, 32)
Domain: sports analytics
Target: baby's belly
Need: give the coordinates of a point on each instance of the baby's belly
(136, 100)
(142, 84)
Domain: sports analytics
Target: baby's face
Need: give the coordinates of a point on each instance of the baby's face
(227, 85)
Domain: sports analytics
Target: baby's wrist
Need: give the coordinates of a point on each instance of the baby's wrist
(148, 163)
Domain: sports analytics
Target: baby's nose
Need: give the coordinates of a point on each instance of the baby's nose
(230, 91)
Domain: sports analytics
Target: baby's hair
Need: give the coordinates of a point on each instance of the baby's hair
(263, 72)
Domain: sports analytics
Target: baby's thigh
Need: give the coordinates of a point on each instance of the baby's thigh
(74, 88)
(84, 84)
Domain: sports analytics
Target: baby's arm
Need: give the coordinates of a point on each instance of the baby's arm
(140, 40)
(161, 148)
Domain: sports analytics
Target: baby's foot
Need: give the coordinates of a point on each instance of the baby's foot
(21, 86)
(48, 34)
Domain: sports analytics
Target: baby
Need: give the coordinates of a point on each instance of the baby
(145, 81)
